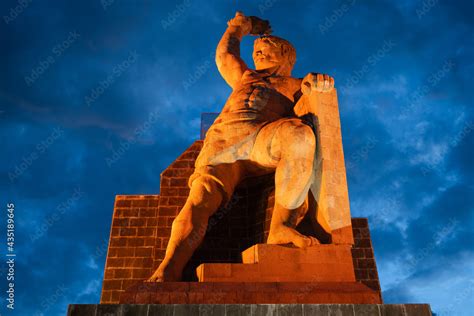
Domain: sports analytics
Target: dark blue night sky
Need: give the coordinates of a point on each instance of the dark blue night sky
(98, 97)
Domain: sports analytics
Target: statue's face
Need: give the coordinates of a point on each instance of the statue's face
(265, 55)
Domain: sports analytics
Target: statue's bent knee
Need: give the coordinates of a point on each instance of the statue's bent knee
(299, 137)
(307, 134)
(205, 188)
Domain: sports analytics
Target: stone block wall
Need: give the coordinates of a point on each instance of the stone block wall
(133, 244)
(363, 258)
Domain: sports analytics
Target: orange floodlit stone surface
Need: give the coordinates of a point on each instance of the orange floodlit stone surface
(259, 207)
(141, 225)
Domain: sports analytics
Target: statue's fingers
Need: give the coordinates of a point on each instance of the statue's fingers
(319, 82)
(331, 82)
(326, 82)
(314, 241)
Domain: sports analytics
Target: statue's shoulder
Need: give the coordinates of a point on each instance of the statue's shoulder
(250, 73)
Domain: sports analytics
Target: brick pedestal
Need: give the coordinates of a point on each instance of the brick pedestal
(141, 226)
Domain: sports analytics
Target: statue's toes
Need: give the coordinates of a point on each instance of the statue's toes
(157, 277)
(301, 241)
(314, 241)
(304, 241)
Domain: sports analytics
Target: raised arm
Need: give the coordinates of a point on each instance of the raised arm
(228, 60)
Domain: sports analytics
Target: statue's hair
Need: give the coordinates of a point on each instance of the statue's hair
(276, 41)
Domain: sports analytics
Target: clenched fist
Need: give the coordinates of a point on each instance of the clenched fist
(317, 82)
(250, 24)
(242, 21)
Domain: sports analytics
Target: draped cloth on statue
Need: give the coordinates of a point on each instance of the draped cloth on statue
(230, 138)
(251, 106)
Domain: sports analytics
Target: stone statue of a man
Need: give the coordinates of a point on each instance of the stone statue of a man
(256, 133)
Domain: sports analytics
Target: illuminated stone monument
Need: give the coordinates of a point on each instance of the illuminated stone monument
(257, 213)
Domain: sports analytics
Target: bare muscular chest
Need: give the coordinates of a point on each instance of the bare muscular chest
(259, 92)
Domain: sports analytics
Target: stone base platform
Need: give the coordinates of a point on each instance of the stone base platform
(250, 293)
(278, 263)
(250, 309)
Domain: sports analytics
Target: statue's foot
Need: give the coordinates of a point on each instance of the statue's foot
(282, 234)
(164, 275)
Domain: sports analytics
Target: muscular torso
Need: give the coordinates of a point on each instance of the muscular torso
(263, 97)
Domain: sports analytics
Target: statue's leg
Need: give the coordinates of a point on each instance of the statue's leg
(289, 145)
(208, 191)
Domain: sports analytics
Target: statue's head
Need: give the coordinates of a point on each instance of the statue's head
(272, 52)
